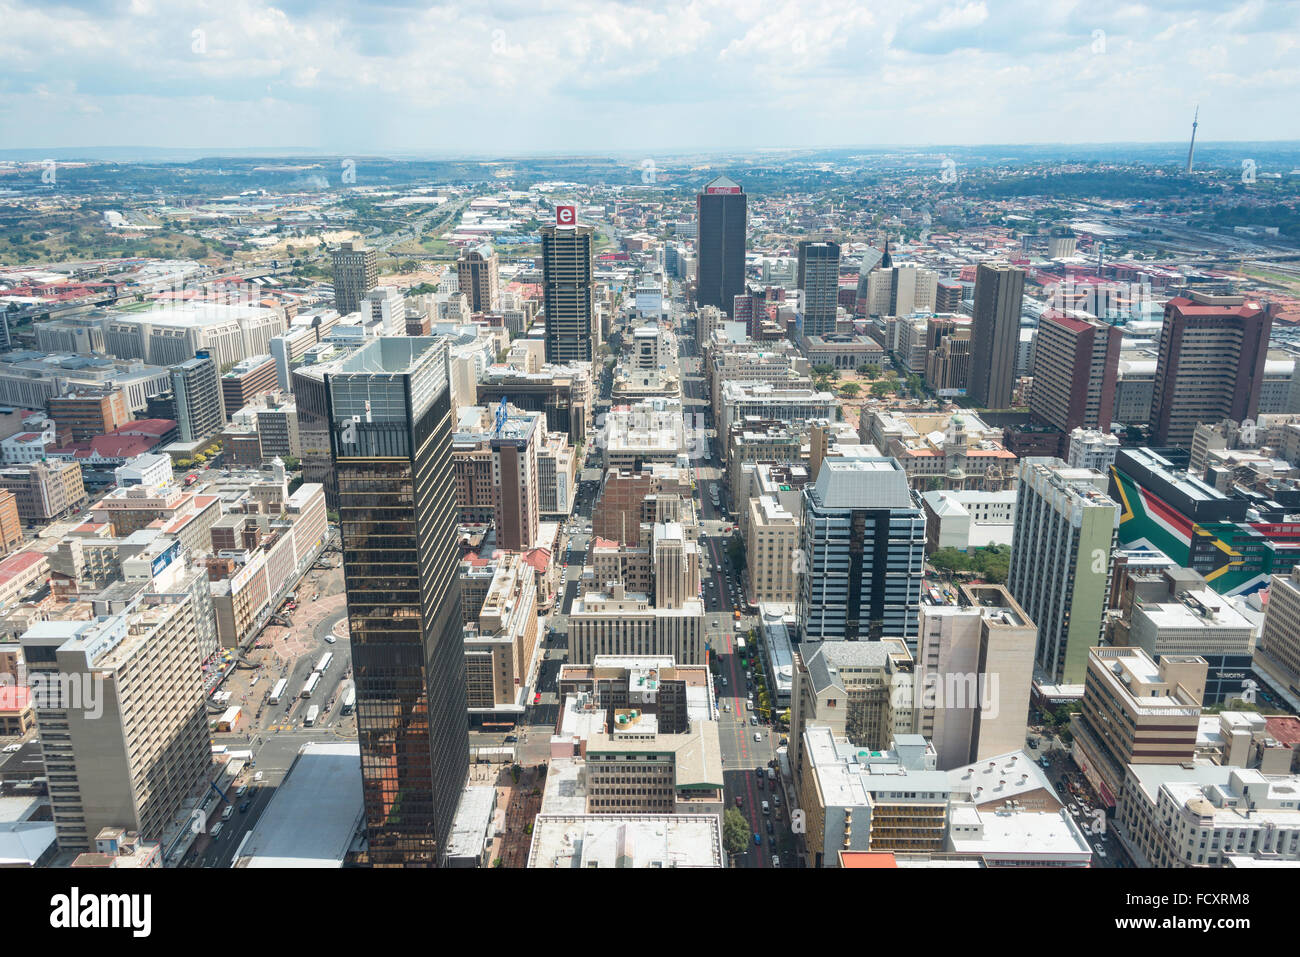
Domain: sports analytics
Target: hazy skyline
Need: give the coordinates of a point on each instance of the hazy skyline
(520, 77)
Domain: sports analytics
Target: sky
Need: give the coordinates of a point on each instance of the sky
(530, 76)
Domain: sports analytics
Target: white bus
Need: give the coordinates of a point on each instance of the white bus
(350, 702)
(324, 662)
(310, 686)
(278, 691)
(312, 714)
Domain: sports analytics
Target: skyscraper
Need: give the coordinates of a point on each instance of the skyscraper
(478, 278)
(356, 272)
(1076, 363)
(995, 334)
(819, 278)
(721, 208)
(862, 553)
(1211, 365)
(1061, 546)
(390, 438)
(514, 443)
(196, 390)
(572, 326)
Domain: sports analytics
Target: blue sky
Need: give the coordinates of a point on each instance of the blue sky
(602, 75)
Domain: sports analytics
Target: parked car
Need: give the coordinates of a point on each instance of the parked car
(776, 861)
(758, 838)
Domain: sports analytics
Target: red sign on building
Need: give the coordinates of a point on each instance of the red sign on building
(721, 189)
(566, 215)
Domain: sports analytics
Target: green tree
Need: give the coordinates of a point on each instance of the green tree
(735, 832)
(882, 389)
(869, 371)
(850, 390)
(823, 369)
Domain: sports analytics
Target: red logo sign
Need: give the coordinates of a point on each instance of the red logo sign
(713, 190)
(566, 215)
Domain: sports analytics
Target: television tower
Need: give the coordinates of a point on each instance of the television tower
(1192, 146)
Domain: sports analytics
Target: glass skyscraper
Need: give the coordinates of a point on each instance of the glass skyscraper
(390, 439)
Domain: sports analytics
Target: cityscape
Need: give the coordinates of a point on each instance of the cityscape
(481, 503)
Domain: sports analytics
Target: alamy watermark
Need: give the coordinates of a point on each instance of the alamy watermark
(60, 691)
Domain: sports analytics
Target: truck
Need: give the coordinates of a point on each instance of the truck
(278, 691)
(229, 720)
(312, 714)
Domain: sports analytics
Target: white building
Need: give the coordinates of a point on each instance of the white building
(147, 469)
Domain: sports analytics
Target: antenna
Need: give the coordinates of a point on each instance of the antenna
(1192, 146)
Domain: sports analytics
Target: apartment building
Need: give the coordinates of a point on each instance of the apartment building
(356, 272)
(500, 645)
(478, 276)
(1076, 361)
(44, 491)
(124, 731)
(772, 546)
(245, 380)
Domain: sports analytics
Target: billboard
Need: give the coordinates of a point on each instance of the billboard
(721, 189)
(566, 215)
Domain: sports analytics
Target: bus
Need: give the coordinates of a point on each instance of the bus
(324, 662)
(310, 686)
(740, 646)
(350, 701)
(278, 691)
(312, 714)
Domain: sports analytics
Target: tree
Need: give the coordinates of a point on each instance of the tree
(882, 389)
(292, 463)
(823, 369)
(850, 390)
(735, 832)
(869, 371)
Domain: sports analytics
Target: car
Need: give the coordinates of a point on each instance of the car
(216, 831)
(770, 829)
(243, 808)
(738, 800)
(511, 738)
(758, 838)
(1101, 851)
(776, 795)
(726, 706)
(724, 681)
(767, 808)
(229, 810)
(758, 735)
(537, 698)
(776, 861)
(241, 790)
(753, 720)
(330, 639)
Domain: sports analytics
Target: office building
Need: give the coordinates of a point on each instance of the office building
(590, 841)
(862, 537)
(85, 413)
(772, 542)
(390, 407)
(383, 311)
(572, 325)
(246, 380)
(721, 208)
(1278, 653)
(1065, 533)
(124, 730)
(356, 272)
(500, 643)
(1136, 711)
(478, 278)
(1076, 361)
(901, 291)
(974, 671)
(514, 443)
(1211, 367)
(44, 491)
(196, 389)
(11, 523)
(995, 334)
(819, 272)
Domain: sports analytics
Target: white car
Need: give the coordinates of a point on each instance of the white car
(330, 639)
(758, 735)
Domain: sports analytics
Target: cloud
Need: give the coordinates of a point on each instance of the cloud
(523, 75)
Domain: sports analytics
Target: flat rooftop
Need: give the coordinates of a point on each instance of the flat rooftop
(628, 841)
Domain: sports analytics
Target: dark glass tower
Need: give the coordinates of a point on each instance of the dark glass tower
(721, 211)
(390, 439)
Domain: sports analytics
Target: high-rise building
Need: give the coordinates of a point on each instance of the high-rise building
(86, 413)
(515, 441)
(862, 558)
(1061, 549)
(390, 415)
(721, 207)
(478, 278)
(124, 730)
(1076, 362)
(572, 325)
(1211, 365)
(1278, 653)
(356, 272)
(247, 379)
(819, 278)
(384, 307)
(995, 334)
(196, 389)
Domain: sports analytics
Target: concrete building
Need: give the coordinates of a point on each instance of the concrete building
(1278, 652)
(1065, 533)
(478, 278)
(720, 209)
(1213, 351)
(974, 671)
(501, 644)
(901, 290)
(862, 537)
(1091, 449)
(200, 409)
(968, 519)
(772, 545)
(572, 326)
(819, 269)
(44, 491)
(247, 379)
(173, 334)
(11, 523)
(614, 621)
(557, 476)
(570, 841)
(1076, 361)
(29, 380)
(1136, 712)
(995, 330)
(122, 720)
(516, 512)
(356, 272)
(85, 413)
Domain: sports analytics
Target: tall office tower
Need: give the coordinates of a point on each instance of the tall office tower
(1076, 363)
(390, 437)
(974, 674)
(196, 390)
(995, 334)
(356, 272)
(515, 441)
(478, 278)
(1211, 365)
(901, 291)
(124, 732)
(721, 208)
(819, 278)
(1061, 547)
(862, 553)
(572, 326)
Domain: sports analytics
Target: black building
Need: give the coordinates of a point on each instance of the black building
(390, 440)
(721, 209)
